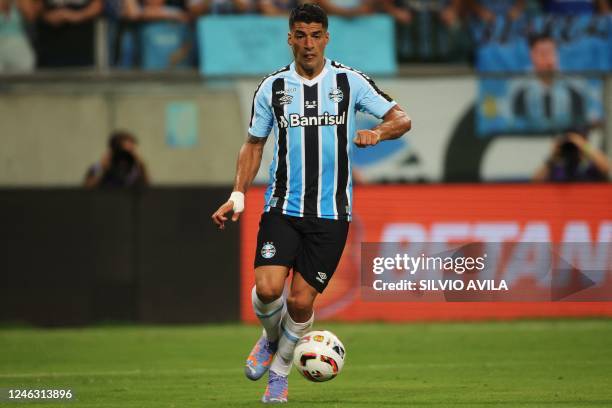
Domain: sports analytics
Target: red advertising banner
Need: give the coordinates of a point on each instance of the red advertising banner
(454, 213)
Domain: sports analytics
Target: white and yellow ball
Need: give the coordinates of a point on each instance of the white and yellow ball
(319, 356)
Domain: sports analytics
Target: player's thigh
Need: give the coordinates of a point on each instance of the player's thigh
(270, 281)
(322, 247)
(301, 293)
(278, 244)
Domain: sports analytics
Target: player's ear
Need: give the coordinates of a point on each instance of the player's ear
(289, 38)
(326, 37)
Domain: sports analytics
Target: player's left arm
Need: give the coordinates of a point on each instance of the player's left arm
(395, 123)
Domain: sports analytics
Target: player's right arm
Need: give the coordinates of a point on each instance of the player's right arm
(249, 158)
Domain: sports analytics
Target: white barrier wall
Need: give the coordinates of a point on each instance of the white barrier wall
(51, 134)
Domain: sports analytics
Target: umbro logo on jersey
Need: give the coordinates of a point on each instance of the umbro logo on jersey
(311, 104)
(296, 120)
(322, 276)
(285, 99)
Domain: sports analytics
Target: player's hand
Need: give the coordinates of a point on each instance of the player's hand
(366, 138)
(220, 216)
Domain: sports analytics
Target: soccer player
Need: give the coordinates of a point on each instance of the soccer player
(311, 106)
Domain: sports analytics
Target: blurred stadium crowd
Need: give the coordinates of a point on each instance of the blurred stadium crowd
(66, 33)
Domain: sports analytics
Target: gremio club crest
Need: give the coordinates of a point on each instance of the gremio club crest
(268, 250)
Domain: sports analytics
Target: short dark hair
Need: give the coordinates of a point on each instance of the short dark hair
(308, 13)
(536, 38)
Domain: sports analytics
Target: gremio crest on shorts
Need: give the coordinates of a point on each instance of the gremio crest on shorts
(336, 95)
(268, 250)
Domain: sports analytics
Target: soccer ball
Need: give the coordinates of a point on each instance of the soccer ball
(319, 356)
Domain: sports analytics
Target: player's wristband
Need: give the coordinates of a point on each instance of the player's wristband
(238, 199)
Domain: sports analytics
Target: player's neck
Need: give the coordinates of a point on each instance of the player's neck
(310, 74)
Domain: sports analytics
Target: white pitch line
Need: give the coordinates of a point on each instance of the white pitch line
(229, 370)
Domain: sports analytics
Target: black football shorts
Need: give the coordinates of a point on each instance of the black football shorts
(310, 246)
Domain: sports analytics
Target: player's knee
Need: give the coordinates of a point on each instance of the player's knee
(300, 307)
(268, 292)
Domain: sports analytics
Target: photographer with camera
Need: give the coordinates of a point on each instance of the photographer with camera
(573, 158)
(121, 166)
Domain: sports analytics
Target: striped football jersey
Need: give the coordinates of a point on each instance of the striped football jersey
(314, 125)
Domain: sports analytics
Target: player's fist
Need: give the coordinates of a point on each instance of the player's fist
(366, 138)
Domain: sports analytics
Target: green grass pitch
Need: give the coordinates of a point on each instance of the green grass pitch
(566, 363)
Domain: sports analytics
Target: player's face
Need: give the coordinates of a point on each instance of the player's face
(308, 42)
(544, 56)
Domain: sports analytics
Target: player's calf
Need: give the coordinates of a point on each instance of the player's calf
(270, 315)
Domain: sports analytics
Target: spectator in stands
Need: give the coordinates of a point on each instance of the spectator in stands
(343, 8)
(156, 10)
(453, 12)
(573, 158)
(65, 32)
(348, 8)
(16, 54)
(278, 7)
(450, 12)
(573, 7)
(165, 37)
(401, 10)
(430, 30)
(488, 10)
(121, 165)
(547, 99)
(202, 7)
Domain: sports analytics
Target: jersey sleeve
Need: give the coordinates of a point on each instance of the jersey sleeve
(262, 118)
(370, 99)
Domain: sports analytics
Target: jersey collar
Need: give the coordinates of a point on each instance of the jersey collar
(310, 82)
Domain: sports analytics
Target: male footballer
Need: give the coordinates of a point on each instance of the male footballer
(311, 105)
